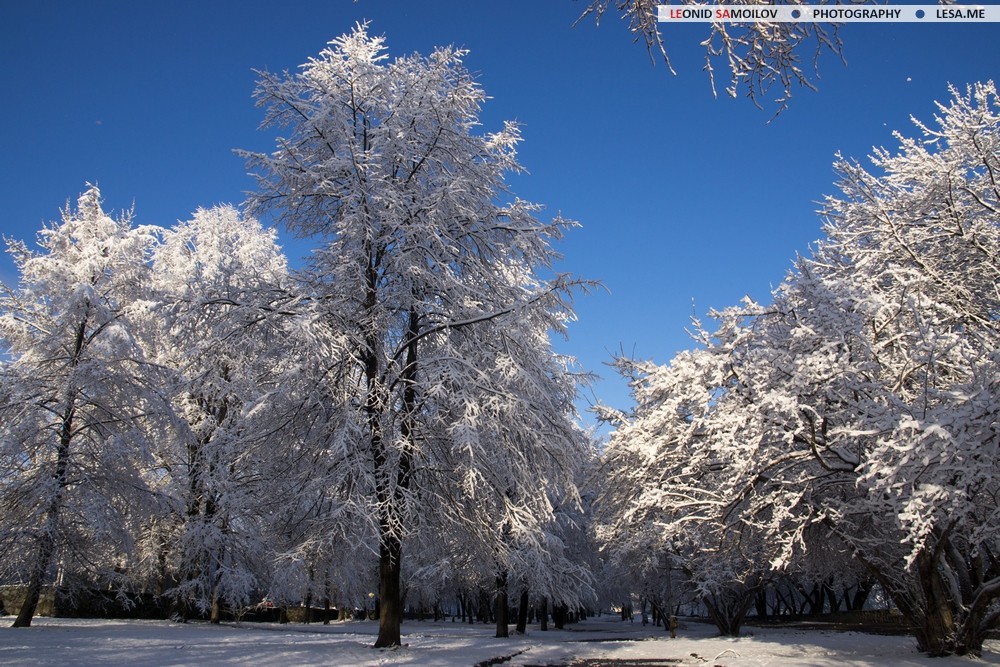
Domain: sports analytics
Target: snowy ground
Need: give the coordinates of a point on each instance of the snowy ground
(71, 642)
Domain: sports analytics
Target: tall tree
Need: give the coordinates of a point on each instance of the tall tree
(437, 277)
(78, 397)
(219, 281)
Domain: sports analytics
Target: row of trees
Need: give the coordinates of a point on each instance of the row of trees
(181, 412)
(847, 432)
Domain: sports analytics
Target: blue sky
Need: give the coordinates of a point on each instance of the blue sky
(687, 202)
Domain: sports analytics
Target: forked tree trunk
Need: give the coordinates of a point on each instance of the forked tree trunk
(728, 609)
(935, 628)
(861, 593)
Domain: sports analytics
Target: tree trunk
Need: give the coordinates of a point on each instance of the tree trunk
(522, 613)
(935, 629)
(47, 539)
(760, 603)
(46, 547)
(559, 616)
(860, 597)
(543, 615)
(503, 630)
(483, 609)
(216, 616)
(391, 547)
(390, 601)
(813, 599)
(782, 601)
(831, 598)
(727, 610)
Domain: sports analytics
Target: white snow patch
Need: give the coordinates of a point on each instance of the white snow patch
(81, 642)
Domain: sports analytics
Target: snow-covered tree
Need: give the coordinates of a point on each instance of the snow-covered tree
(439, 281)
(914, 251)
(77, 402)
(663, 509)
(220, 281)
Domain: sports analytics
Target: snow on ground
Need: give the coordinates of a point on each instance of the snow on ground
(83, 642)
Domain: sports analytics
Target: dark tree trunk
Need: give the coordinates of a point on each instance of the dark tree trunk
(728, 609)
(832, 599)
(760, 603)
(559, 616)
(522, 613)
(46, 547)
(860, 597)
(935, 630)
(781, 606)
(391, 547)
(465, 606)
(47, 539)
(390, 600)
(503, 629)
(543, 614)
(483, 610)
(813, 599)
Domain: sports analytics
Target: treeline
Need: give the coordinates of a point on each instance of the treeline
(846, 434)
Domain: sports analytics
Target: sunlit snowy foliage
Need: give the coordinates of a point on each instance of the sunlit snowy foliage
(858, 413)
(461, 417)
(185, 415)
(79, 401)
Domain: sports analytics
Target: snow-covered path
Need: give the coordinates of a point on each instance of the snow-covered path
(79, 643)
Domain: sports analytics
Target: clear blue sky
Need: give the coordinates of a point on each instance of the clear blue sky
(687, 202)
